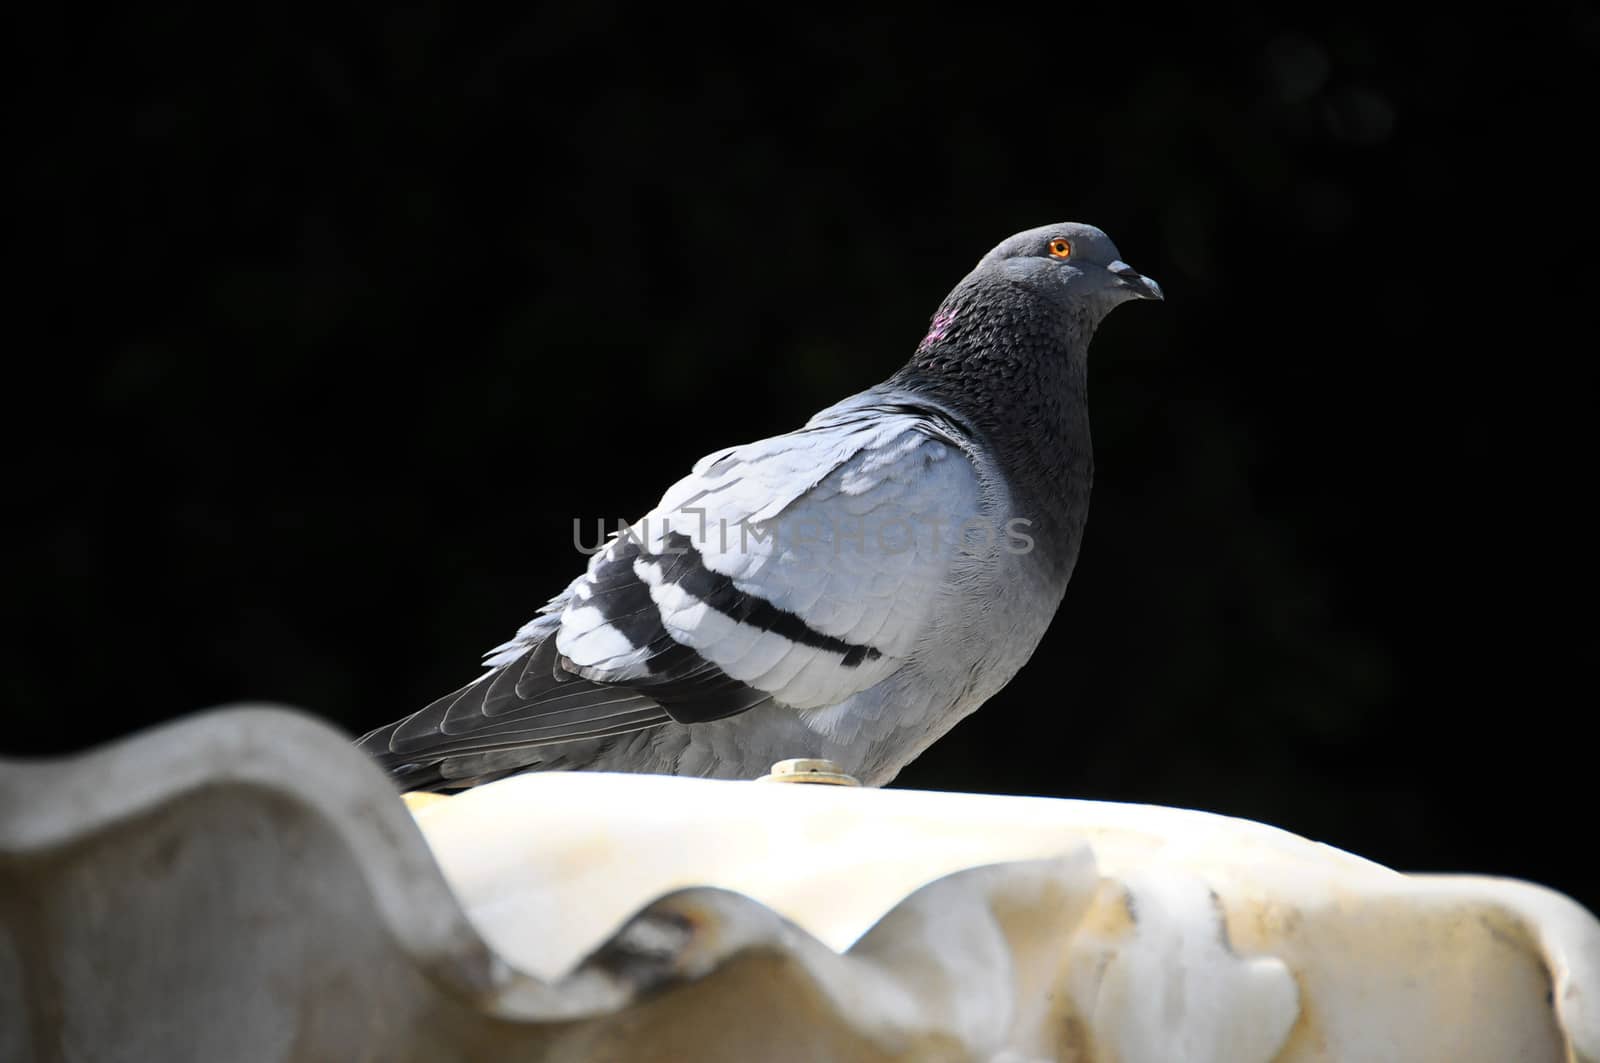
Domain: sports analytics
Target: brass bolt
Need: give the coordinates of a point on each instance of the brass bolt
(417, 800)
(811, 770)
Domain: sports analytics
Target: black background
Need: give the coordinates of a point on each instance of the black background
(325, 331)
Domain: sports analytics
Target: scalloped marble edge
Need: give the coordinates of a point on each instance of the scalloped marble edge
(44, 806)
(1161, 860)
(1565, 932)
(694, 935)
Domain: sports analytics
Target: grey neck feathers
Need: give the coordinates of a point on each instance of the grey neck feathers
(1014, 367)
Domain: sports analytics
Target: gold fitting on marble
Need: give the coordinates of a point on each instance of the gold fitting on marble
(809, 769)
(416, 800)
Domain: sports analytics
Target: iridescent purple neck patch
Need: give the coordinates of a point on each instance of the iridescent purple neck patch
(936, 331)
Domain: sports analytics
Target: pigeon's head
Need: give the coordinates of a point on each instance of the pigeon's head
(1069, 262)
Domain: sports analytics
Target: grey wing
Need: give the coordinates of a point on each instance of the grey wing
(532, 701)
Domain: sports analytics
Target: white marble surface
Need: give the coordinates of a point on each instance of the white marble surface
(1197, 936)
(243, 885)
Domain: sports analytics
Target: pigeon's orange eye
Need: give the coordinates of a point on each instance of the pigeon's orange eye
(1059, 248)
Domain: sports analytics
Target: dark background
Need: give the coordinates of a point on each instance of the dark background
(326, 330)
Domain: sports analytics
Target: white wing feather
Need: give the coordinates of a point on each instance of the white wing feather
(860, 512)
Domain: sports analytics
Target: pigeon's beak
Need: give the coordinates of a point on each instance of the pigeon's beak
(1136, 282)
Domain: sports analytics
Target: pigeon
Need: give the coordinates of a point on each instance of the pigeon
(848, 591)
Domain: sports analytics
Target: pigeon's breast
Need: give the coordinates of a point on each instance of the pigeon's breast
(1003, 603)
